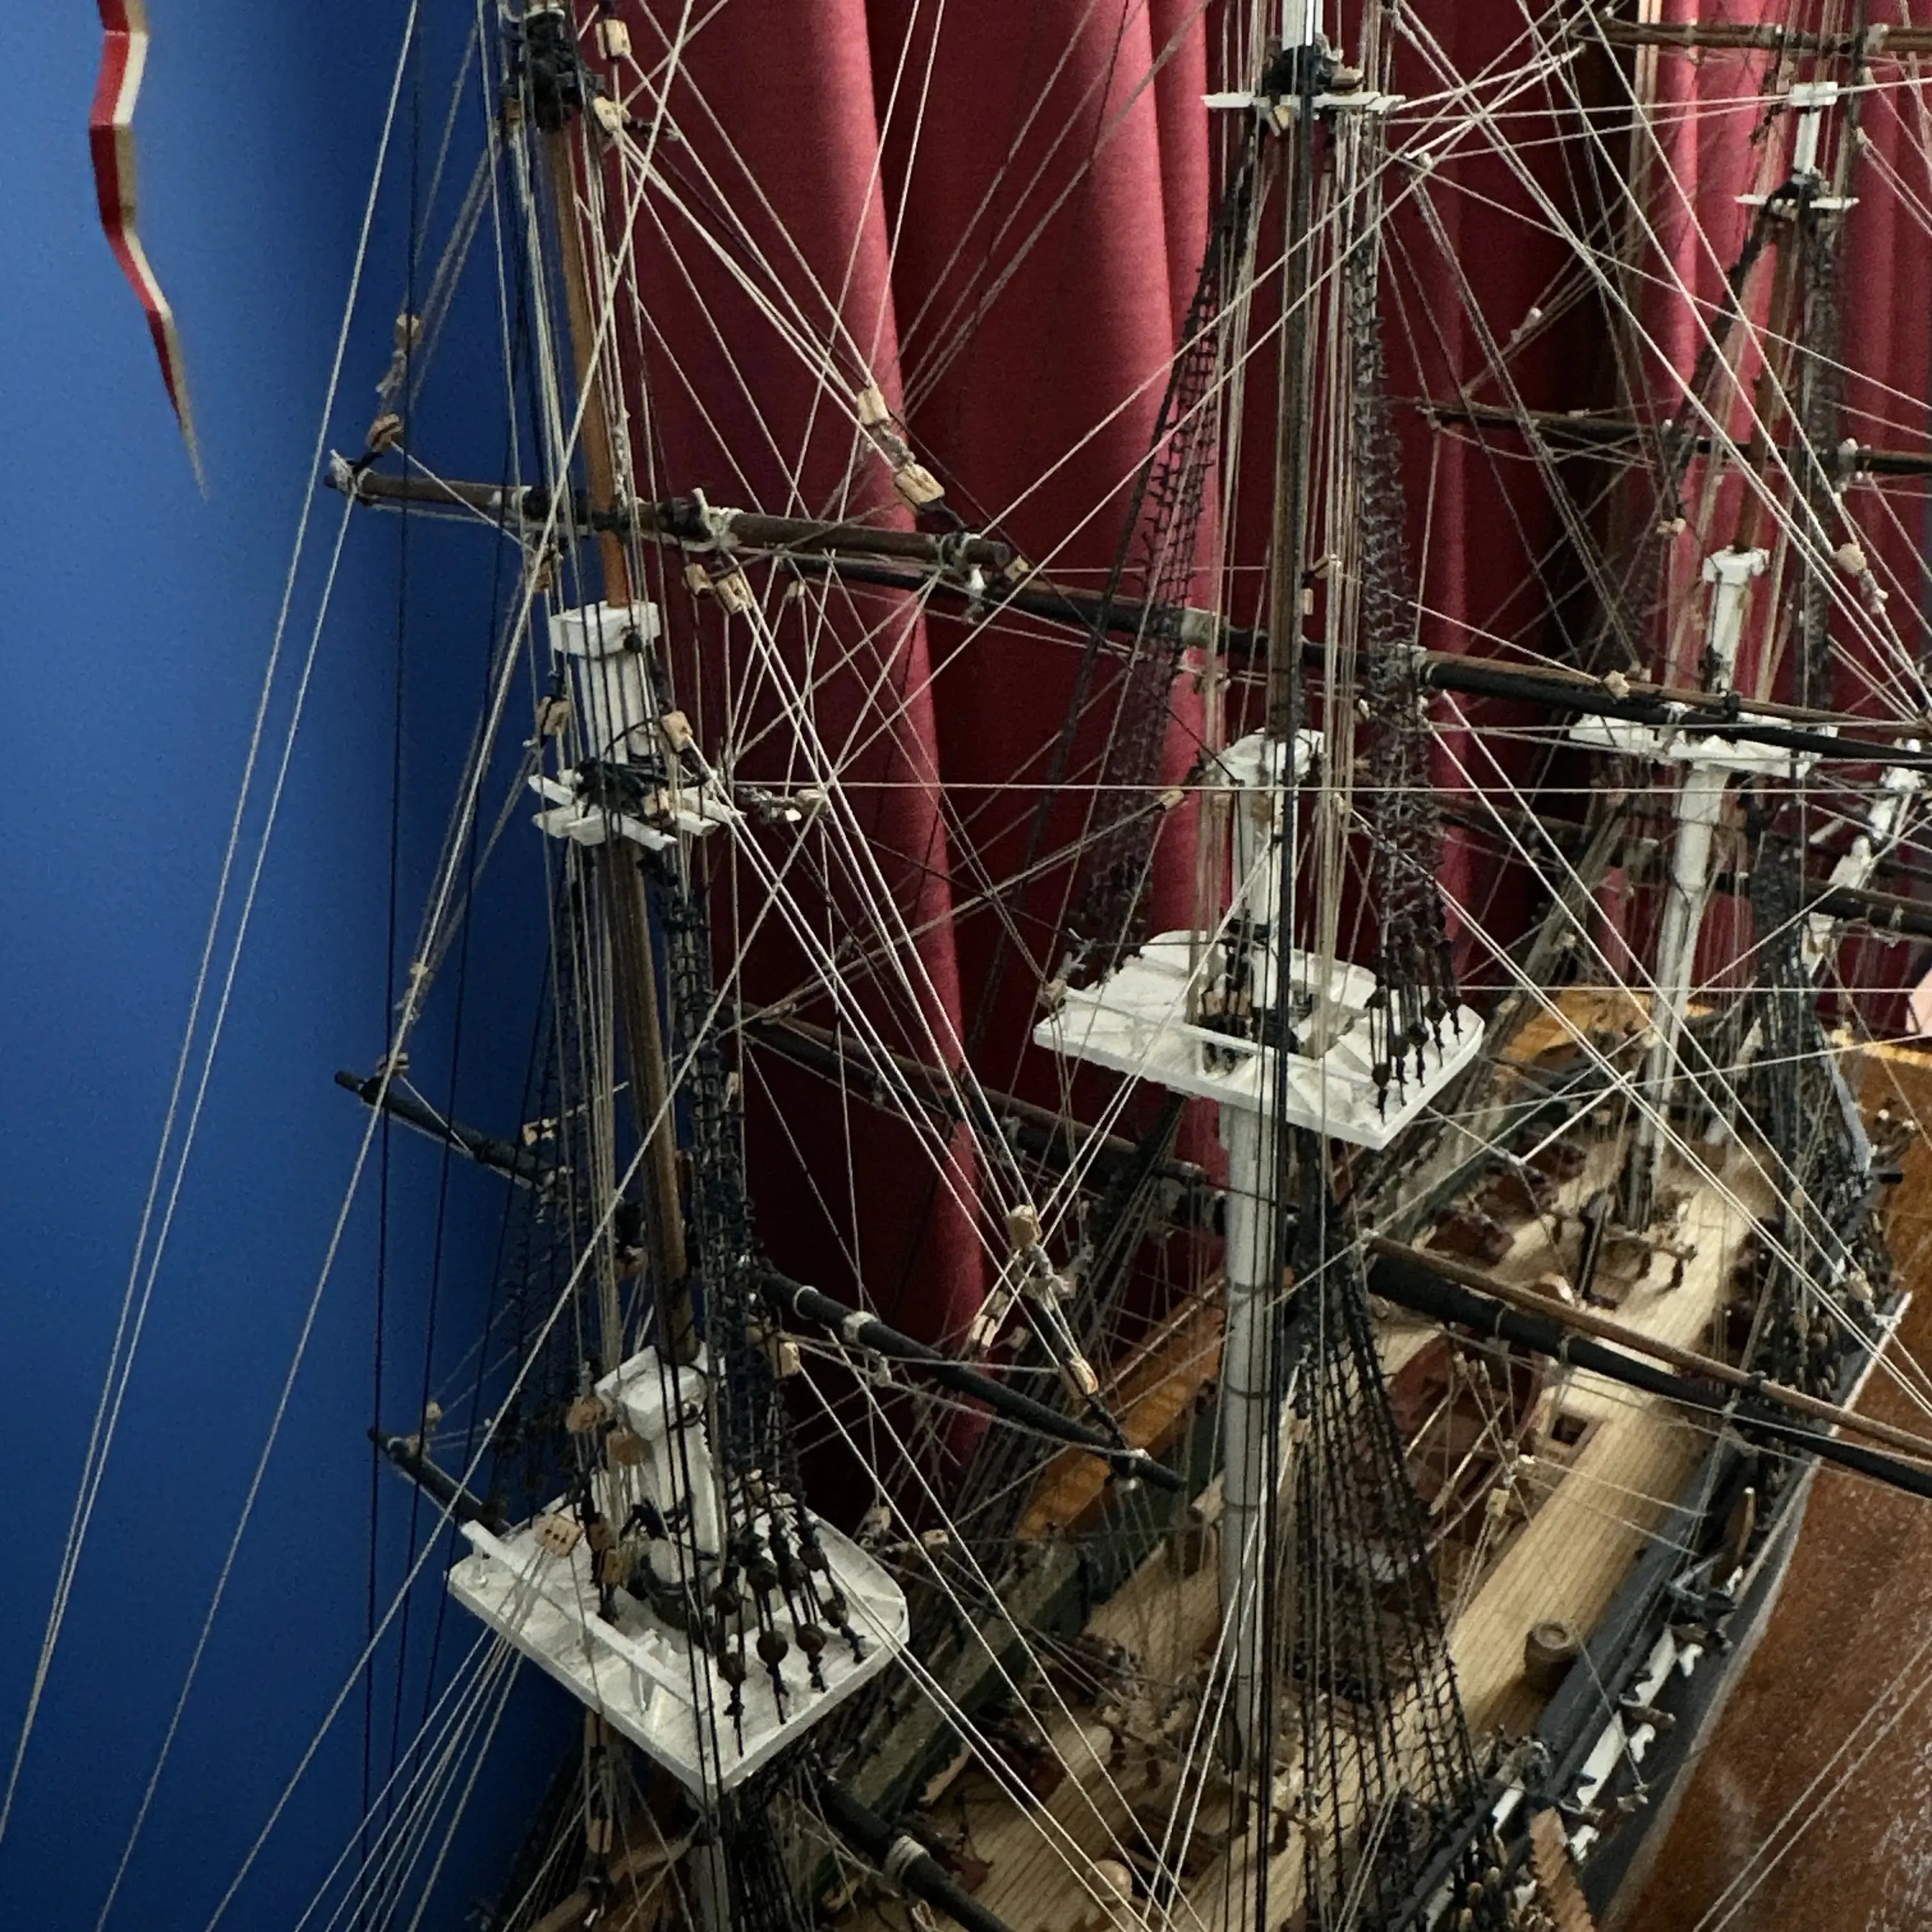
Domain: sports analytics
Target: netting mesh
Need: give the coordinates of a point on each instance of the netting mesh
(1414, 974)
(1390, 1779)
(1158, 557)
(1822, 1259)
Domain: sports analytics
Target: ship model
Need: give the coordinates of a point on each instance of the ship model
(1213, 1301)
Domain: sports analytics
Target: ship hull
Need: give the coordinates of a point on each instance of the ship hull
(1640, 1796)
(1613, 1882)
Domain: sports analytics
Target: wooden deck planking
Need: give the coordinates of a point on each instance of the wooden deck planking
(1604, 1508)
(1150, 1400)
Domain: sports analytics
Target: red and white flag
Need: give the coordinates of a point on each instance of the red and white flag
(110, 133)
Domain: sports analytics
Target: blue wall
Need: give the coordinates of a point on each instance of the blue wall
(134, 638)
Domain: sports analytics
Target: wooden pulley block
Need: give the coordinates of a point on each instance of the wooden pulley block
(583, 1415)
(612, 1567)
(557, 1535)
(916, 485)
(1739, 1526)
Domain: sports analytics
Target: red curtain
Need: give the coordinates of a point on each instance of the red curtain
(998, 213)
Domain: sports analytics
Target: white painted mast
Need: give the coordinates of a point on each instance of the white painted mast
(1700, 805)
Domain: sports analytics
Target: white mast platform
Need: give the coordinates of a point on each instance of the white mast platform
(535, 1585)
(1137, 1021)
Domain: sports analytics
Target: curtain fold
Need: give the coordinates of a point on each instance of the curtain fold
(998, 214)
(949, 242)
